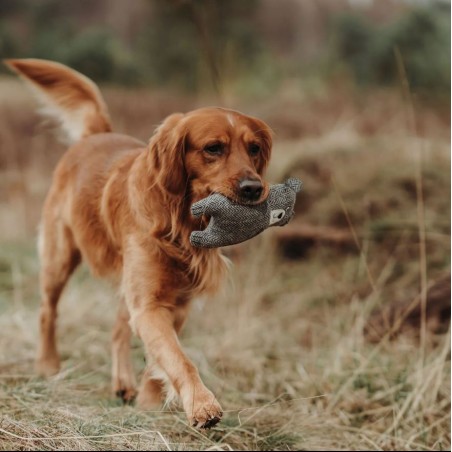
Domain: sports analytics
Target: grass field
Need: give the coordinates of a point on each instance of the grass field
(287, 347)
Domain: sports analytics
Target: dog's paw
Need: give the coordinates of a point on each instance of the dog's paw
(127, 395)
(207, 423)
(205, 411)
(124, 386)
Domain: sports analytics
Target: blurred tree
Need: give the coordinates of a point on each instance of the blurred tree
(191, 43)
(8, 44)
(252, 45)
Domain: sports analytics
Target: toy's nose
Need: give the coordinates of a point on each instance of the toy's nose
(250, 190)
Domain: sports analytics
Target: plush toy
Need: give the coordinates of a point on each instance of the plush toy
(232, 223)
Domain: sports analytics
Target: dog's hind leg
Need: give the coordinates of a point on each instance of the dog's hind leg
(123, 377)
(152, 388)
(59, 257)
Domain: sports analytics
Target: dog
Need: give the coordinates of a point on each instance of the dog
(123, 207)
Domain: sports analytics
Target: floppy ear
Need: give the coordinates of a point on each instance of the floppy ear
(265, 134)
(167, 147)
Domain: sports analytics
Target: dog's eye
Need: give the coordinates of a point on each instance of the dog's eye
(214, 149)
(254, 149)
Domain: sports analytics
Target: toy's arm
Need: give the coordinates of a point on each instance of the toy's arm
(199, 208)
(202, 239)
(206, 206)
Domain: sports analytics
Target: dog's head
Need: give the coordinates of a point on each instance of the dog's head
(213, 150)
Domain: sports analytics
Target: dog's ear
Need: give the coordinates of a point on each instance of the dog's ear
(167, 147)
(265, 133)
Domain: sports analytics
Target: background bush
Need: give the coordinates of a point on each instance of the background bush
(422, 36)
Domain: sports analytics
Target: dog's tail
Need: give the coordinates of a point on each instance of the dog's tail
(66, 96)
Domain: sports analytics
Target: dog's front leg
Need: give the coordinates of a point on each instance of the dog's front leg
(152, 298)
(155, 327)
(153, 384)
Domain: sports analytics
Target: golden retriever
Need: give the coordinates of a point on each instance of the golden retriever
(123, 206)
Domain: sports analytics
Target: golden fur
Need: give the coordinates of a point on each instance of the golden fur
(124, 208)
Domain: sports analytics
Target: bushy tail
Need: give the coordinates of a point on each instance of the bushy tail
(66, 96)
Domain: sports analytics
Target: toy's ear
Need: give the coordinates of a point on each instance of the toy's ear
(294, 184)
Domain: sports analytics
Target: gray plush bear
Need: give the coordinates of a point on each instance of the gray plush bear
(232, 223)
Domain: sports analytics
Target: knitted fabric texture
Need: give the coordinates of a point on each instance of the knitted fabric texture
(231, 223)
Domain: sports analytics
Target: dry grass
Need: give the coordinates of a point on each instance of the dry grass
(283, 347)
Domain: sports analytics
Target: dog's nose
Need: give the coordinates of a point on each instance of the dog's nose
(250, 190)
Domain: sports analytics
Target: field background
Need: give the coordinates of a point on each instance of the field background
(332, 333)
